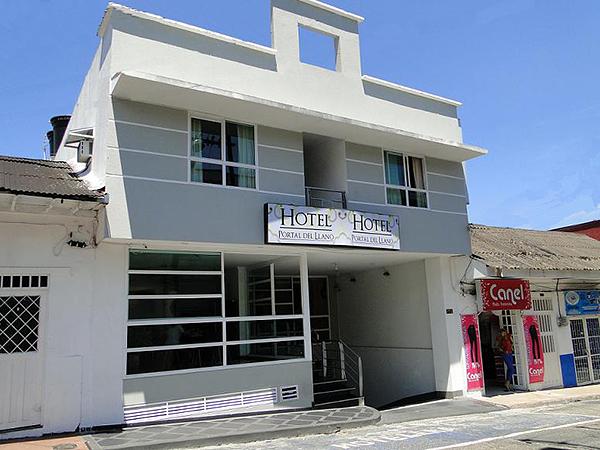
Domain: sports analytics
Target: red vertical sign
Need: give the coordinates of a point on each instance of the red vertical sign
(470, 330)
(535, 352)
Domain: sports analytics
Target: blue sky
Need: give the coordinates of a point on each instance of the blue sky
(526, 71)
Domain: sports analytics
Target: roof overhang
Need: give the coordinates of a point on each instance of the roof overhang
(45, 205)
(179, 94)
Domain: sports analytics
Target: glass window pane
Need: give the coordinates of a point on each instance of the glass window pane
(394, 169)
(319, 323)
(158, 308)
(396, 196)
(241, 177)
(240, 143)
(144, 260)
(174, 284)
(206, 173)
(188, 333)
(164, 360)
(416, 176)
(206, 139)
(418, 199)
(264, 329)
(272, 351)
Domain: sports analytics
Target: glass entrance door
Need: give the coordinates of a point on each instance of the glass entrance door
(585, 335)
(320, 323)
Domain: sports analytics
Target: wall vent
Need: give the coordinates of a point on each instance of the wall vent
(289, 393)
(195, 407)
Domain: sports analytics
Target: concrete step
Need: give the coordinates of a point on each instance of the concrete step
(345, 403)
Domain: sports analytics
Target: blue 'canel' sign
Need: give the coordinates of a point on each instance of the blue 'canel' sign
(582, 302)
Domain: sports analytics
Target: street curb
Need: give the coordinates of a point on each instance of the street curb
(248, 437)
(548, 402)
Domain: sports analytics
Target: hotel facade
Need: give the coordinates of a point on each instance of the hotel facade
(263, 233)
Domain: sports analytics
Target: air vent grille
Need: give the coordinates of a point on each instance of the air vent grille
(289, 393)
(198, 406)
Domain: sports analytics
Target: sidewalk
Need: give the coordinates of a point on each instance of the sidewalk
(235, 429)
(547, 397)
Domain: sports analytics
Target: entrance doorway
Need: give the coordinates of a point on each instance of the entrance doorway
(585, 335)
(490, 324)
(20, 355)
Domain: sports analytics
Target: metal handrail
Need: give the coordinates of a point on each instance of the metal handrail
(346, 361)
(322, 201)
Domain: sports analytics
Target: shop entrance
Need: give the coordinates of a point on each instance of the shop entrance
(585, 334)
(490, 324)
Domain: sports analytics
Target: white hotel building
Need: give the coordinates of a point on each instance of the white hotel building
(270, 231)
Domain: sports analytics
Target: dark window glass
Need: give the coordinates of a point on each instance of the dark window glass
(206, 173)
(43, 281)
(418, 199)
(319, 305)
(394, 169)
(188, 333)
(25, 282)
(140, 260)
(16, 281)
(155, 308)
(35, 281)
(283, 283)
(396, 196)
(6, 281)
(240, 143)
(241, 177)
(319, 323)
(174, 284)
(258, 352)
(206, 139)
(416, 174)
(264, 329)
(181, 359)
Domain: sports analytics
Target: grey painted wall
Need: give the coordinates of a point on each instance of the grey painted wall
(386, 320)
(236, 379)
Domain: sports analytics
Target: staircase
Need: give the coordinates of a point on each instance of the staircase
(337, 375)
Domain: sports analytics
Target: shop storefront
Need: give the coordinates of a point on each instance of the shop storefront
(553, 316)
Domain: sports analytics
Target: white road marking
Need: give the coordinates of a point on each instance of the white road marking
(519, 433)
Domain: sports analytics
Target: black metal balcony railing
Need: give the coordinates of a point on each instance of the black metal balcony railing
(325, 198)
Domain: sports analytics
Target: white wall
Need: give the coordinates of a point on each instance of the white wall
(84, 330)
(386, 320)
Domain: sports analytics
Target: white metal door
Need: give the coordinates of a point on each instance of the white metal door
(20, 358)
(543, 309)
(585, 335)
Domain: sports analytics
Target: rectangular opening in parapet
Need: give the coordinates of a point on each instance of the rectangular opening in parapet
(318, 49)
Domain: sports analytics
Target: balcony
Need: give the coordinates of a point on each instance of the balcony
(325, 198)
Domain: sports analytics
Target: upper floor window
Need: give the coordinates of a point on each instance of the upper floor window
(222, 153)
(405, 180)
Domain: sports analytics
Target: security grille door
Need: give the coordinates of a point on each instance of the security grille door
(593, 337)
(585, 335)
(20, 359)
(508, 320)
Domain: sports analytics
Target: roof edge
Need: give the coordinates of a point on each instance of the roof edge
(333, 9)
(409, 90)
(177, 24)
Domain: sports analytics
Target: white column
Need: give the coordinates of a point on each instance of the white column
(305, 305)
(446, 333)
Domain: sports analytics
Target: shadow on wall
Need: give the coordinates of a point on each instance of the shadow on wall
(197, 43)
(409, 100)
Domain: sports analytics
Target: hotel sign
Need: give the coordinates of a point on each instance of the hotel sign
(304, 225)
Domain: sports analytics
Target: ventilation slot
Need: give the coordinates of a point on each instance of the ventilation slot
(289, 393)
(198, 406)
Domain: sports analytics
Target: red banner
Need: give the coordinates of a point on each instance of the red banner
(535, 352)
(470, 330)
(505, 294)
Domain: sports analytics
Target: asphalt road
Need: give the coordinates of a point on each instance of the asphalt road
(567, 426)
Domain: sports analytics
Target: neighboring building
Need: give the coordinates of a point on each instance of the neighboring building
(591, 229)
(52, 279)
(559, 275)
(266, 217)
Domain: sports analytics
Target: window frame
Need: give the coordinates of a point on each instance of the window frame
(222, 121)
(406, 188)
(223, 319)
